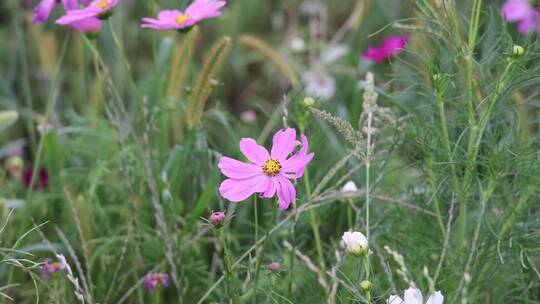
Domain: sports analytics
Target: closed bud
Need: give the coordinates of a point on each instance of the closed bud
(308, 101)
(366, 285)
(517, 51)
(274, 267)
(355, 242)
(217, 218)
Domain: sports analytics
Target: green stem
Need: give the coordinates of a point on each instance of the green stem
(367, 275)
(50, 107)
(259, 258)
(228, 265)
(473, 149)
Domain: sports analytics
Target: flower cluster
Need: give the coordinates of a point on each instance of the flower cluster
(266, 173)
(391, 46)
(522, 12)
(154, 279)
(414, 296)
(86, 16)
(50, 267)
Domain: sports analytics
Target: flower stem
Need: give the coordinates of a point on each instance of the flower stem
(228, 268)
(259, 258)
(367, 275)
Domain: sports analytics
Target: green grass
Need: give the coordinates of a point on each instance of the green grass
(138, 120)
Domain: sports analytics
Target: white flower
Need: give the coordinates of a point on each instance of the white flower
(298, 44)
(319, 84)
(414, 296)
(355, 242)
(349, 186)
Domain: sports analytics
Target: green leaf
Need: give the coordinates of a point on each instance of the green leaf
(7, 119)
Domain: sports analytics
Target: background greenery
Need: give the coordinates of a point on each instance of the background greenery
(136, 126)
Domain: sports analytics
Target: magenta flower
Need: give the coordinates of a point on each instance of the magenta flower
(524, 13)
(96, 9)
(42, 181)
(44, 9)
(152, 281)
(267, 173)
(49, 268)
(391, 46)
(177, 20)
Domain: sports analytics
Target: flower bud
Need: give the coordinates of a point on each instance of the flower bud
(15, 166)
(349, 186)
(355, 242)
(366, 285)
(308, 101)
(274, 267)
(517, 51)
(217, 218)
(248, 116)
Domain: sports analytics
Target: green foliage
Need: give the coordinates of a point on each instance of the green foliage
(130, 127)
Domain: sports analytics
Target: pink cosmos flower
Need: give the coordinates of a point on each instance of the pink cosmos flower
(152, 281)
(391, 46)
(176, 20)
(266, 173)
(523, 12)
(96, 9)
(50, 267)
(44, 9)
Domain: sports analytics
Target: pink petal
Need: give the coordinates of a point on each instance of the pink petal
(236, 190)
(286, 192)
(169, 15)
(78, 15)
(236, 169)
(89, 25)
(43, 10)
(271, 190)
(283, 144)
(70, 4)
(255, 153)
(295, 165)
(516, 10)
(203, 9)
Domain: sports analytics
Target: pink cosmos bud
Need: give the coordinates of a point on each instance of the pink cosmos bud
(248, 116)
(217, 218)
(274, 267)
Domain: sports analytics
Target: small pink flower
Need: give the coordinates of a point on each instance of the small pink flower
(523, 12)
(44, 9)
(391, 46)
(176, 20)
(96, 9)
(217, 218)
(50, 267)
(152, 281)
(267, 173)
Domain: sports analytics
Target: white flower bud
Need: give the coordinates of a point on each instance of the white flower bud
(517, 51)
(349, 186)
(355, 242)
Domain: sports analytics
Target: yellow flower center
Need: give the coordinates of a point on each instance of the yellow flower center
(271, 167)
(182, 18)
(103, 4)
